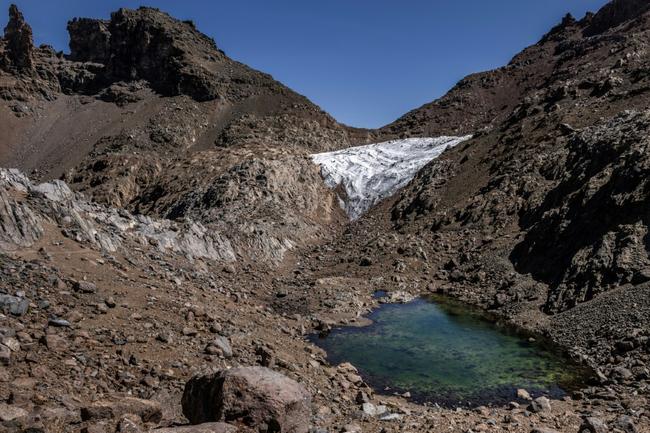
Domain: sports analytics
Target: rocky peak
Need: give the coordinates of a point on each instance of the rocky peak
(556, 32)
(19, 44)
(613, 14)
(147, 44)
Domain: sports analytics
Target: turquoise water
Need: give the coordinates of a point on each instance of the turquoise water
(449, 354)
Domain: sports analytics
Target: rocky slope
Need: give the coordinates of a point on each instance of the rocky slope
(557, 182)
(145, 103)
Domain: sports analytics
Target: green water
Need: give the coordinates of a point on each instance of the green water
(448, 354)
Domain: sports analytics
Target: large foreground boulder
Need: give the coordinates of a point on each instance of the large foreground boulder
(254, 396)
(208, 427)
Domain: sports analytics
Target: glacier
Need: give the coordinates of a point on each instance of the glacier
(372, 172)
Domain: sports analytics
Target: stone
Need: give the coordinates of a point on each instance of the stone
(11, 343)
(84, 287)
(523, 395)
(352, 428)
(55, 343)
(118, 406)
(593, 425)
(362, 397)
(540, 404)
(373, 410)
(223, 344)
(129, 423)
(5, 355)
(10, 412)
(254, 396)
(208, 427)
(625, 423)
(14, 305)
(543, 430)
(58, 323)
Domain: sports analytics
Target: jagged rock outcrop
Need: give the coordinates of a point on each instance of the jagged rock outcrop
(19, 45)
(90, 40)
(26, 208)
(615, 13)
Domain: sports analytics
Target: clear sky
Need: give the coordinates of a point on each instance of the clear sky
(366, 62)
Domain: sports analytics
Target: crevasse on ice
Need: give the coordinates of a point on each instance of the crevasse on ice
(373, 172)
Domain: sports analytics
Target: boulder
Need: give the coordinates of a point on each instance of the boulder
(540, 404)
(254, 396)
(208, 427)
(593, 425)
(13, 305)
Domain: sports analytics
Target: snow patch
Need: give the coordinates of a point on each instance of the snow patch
(370, 173)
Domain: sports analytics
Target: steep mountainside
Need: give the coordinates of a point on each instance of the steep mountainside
(557, 179)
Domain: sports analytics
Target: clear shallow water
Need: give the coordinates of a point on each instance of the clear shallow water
(448, 354)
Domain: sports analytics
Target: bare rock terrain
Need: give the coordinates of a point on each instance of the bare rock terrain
(167, 243)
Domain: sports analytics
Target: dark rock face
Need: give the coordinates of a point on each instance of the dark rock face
(595, 221)
(146, 44)
(614, 14)
(255, 396)
(19, 44)
(90, 40)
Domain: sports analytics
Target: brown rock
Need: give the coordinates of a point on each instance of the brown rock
(10, 413)
(147, 410)
(251, 395)
(55, 342)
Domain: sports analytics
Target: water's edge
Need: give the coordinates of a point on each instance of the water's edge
(453, 307)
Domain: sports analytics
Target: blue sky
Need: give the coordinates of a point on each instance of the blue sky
(366, 62)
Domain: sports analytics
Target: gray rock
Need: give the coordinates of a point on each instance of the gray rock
(593, 425)
(625, 423)
(84, 287)
(540, 404)
(223, 344)
(14, 305)
(56, 190)
(58, 323)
